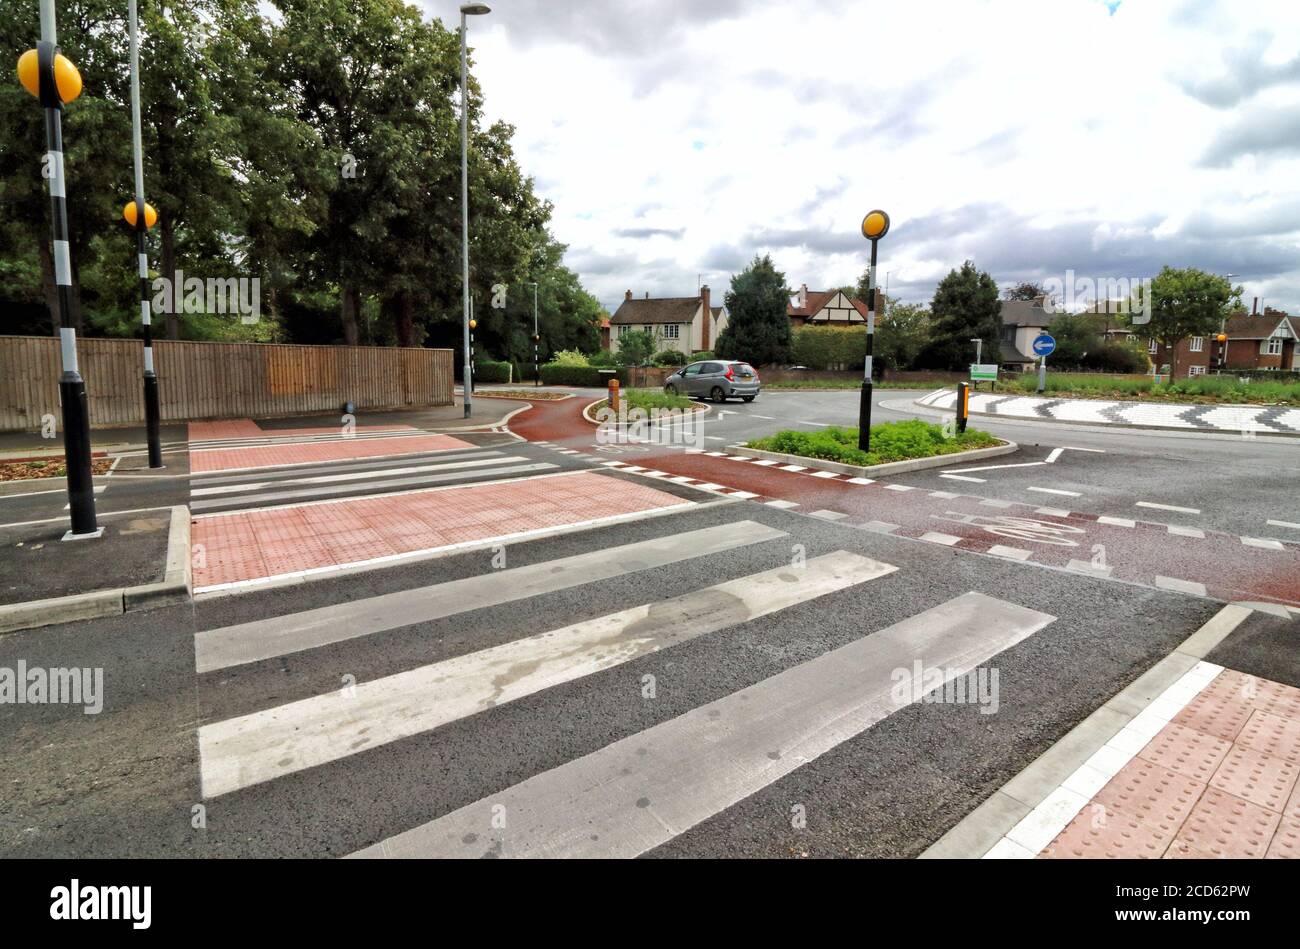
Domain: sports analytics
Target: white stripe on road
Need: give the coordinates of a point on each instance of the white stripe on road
(283, 635)
(1116, 521)
(1180, 586)
(1012, 553)
(1179, 531)
(1168, 507)
(1284, 524)
(1263, 543)
(934, 537)
(963, 478)
(642, 791)
(1064, 494)
(272, 743)
(784, 505)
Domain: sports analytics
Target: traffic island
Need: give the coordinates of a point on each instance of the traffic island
(142, 561)
(896, 448)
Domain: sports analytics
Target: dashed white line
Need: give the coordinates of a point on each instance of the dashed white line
(1086, 566)
(793, 468)
(1295, 527)
(1064, 494)
(899, 487)
(1179, 531)
(948, 540)
(783, 505)
(1263, 544)
(1168, 507)
(829, 515)
(1180, 586)
(825, 474)
(1011, 553)
(861, 481)
(1116, 521)
(963, 478)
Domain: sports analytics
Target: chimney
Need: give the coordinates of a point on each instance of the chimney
(1254, 310)
(803, 296)
(628, 295)
(647, 294)
(708, 317)
(1040, 300)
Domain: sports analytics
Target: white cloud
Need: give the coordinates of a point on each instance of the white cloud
(678, 138)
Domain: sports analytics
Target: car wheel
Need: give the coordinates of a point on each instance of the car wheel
(718, 394)
(670, 389)
(749, 398)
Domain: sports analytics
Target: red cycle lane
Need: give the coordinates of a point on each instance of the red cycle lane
(1216, 565)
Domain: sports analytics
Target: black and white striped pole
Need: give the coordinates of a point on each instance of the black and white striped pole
(52, 78)
(874, 226)
(141, 223)
(537, 338)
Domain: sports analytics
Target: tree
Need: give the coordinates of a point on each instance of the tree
(902, 333)
(758, 330)
(1025, 290)
(965, 307)
(635, 348)
(1186, 302)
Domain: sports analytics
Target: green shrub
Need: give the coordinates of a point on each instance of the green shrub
(602, 358)
(490, 371)
(569, 357)
(587, 376)
(891, 441)
(702, 355)
(829, 347)
(670, 357)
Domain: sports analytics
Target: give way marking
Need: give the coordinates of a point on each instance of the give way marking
(1049, 460)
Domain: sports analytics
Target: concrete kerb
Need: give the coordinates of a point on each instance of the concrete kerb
(175, 587)
(699, 410)
(889, 468)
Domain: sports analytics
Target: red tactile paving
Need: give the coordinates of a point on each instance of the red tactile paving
(263, 456)
(266, 543)
(1220, 780)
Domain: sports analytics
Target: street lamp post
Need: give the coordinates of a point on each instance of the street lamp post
(979, 351)
(53, 79)
(537, 338)
(466, 10)
(874, 226)
(142, 217)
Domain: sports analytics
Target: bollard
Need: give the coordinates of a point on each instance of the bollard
(963, 406)
(613, 393)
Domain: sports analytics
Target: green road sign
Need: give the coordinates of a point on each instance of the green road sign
(983, 372)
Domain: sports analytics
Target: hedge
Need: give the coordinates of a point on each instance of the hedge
(489, 370)
(587, 376)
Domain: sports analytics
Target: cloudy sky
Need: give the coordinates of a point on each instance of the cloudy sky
(677, 138)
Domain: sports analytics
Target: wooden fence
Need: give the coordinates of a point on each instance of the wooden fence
(217, 380)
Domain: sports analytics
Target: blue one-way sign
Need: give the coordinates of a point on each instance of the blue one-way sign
(1044, 345)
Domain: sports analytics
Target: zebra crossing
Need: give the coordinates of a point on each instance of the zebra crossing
(293, 484)
(513, 712)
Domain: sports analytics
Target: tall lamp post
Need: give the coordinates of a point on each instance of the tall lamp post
(874, 226)
(467, 10)
(53, 79)
(537, 338)
(142, 222)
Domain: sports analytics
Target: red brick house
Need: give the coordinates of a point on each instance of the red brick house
(1262, 341)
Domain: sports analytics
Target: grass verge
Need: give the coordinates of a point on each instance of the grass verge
(891, 441)
(648, 399)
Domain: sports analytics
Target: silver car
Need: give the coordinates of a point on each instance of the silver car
(716, 379)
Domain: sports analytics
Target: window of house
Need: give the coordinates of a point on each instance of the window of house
(1273, 347)
(624, 330)
(1196, 371)
(1198, 344)
(649, 329)
(671, 330)
(1153, 347)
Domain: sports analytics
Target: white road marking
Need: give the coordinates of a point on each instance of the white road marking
(784, 505)
(1180, 531)
(269, 744)
(644, 790)
(934, 537)
(944, 495)
(1116, 521)
(829, 515)
(825, 474)
(296, 632)
(1263, 544)
(879, 527)
(994, 502)
(1052, 511)
(860, 481)
(1012, 553)
(1085, 566)
(1180, 586)
(793, 468)
(1168, 507)
(899, 487)
(1284, 524)
(963, 478)
(743, 495)
(371, 475)
(1065, 494)
(766, 463)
